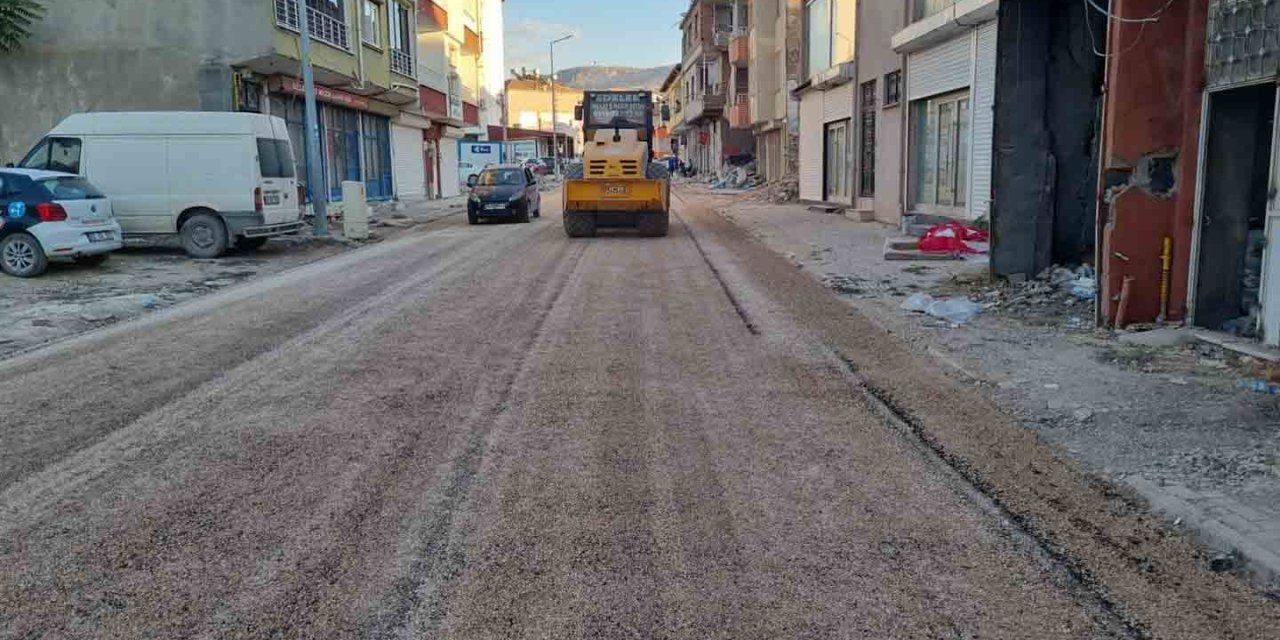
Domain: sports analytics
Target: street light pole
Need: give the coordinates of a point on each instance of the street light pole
(315, 176)
(555, 133)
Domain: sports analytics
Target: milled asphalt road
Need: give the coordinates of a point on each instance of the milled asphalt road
(494, 432)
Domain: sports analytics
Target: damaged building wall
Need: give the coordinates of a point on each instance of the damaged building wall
(126, 55)
(1152, 110)
(1048, 97)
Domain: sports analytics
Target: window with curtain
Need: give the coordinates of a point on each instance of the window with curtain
(369, 31)
(926, 8)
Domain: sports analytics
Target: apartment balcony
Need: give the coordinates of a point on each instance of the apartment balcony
(740, 50)
(721, 38)
(402, 63)
(472, 43)
(739, 113)
(432, 17)
(707, 105)
(323, 27)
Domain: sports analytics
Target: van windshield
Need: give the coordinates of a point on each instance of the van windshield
(275, 158)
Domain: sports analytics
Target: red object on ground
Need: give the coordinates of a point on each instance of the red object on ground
(954, 237)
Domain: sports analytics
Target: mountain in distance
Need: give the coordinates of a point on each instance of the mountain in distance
(602, 78)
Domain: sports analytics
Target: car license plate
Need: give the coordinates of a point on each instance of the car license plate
(616, 190)
(495, 207)
(271, 199)
(99, 236)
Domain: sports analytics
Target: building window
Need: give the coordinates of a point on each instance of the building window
(926, 8)
(867, 170)
(399, 21)
(817, 36)
(892, 88)
(327, 20)
(942, 150)
(369, 31)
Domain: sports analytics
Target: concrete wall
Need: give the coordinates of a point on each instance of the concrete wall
(126, 55)
(1045, 181)
(1151, 126)
(875, 59)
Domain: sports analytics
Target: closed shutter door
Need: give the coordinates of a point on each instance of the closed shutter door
(407, 162)
(811, 142)
(984, 102)
(449, 186)
(838, 103)
(940, 69)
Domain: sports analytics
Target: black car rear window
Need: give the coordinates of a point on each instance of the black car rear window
(71, 188)
(275, 158)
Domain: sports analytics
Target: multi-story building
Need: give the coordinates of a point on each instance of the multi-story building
(880, 122)
(707, 80)
(669, 96)
(529, 104)
(458, 55)
(767, 94)
(826, 96)
(241, 55)
(950, 96)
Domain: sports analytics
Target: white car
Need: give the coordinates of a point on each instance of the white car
(50, 214)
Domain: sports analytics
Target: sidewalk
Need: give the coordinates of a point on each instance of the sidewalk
(1172, 423)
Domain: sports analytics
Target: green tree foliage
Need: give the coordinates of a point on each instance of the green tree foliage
(16, 18)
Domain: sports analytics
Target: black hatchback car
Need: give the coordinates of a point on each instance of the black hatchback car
(504, 191)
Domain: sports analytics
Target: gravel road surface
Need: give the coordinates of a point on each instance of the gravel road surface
(497, 432)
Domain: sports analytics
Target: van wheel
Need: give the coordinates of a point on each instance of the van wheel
(21, 256)
(250, 244)
(204, 236)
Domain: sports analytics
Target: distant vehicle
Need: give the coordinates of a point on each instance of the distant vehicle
(503, 191)
(47, 214)
(216, 179)
(537, 166)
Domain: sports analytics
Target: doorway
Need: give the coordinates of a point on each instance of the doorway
(1236, 207)
(839, 175)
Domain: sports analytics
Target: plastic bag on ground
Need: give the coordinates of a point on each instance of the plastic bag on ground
(955, 238)
(954, 310)
(918, 303)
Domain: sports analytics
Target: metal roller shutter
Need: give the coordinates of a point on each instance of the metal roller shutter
(811, 144)
(984, 102)
(940, 69)
(407, 162)
(449, 184)
(838, 103)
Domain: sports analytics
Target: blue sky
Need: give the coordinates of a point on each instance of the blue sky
(631, 33)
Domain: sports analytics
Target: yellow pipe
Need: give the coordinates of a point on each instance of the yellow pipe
(1166, 272)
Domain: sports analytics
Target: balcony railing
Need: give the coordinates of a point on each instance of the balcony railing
(721, 38)
(323, 27)
(401, 63)
(707, 104)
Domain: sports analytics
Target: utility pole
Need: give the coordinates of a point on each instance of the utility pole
(315, 176)
(555, 132)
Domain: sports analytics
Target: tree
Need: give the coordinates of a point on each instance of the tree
(16, 18)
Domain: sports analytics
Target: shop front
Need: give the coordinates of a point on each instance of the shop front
(355, 137)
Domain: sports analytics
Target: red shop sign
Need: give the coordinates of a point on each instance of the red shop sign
(325, 94)
(704, 137)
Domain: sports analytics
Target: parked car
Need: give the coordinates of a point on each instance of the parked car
(505, 191)
(47, 214)
(216, 179)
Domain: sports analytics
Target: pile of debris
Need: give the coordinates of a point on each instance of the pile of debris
(738, 178)
(1056, 292)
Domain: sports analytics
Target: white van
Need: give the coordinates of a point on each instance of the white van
(216, 179)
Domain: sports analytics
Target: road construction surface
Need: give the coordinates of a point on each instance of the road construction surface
(499, 432)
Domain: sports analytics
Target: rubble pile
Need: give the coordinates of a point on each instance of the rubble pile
(1056, 292)
(738, 178)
